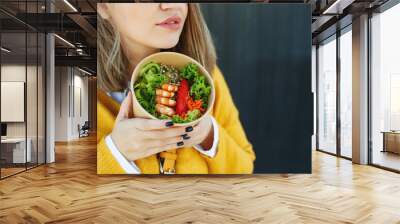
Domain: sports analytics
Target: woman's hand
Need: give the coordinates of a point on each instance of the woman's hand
(138, 138)
(202, 134)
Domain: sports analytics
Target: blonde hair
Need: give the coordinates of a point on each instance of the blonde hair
(112, 65)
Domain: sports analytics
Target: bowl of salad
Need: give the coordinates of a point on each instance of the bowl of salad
(170, 85)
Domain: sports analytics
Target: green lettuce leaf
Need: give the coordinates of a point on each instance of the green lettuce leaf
(191, 116)
(150, 78)
(200, 88)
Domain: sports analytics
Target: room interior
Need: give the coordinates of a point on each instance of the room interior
(48, 92)
(22, 102)
(26, 110)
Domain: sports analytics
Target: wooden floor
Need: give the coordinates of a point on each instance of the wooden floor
(8, 171)
(69, 191)
(387, 159)
(5, 172)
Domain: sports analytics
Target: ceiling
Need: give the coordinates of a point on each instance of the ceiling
(76, 20)
(332, 15)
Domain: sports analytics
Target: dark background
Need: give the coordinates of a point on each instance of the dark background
(264, 52)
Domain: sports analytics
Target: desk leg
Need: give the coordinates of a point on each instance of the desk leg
(384, 142)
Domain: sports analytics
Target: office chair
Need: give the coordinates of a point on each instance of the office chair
(84, 130)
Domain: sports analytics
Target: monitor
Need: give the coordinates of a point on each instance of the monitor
(3, 129)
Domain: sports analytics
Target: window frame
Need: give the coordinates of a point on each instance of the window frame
(334, 37)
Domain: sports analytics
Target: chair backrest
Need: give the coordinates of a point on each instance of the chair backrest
(86, 124)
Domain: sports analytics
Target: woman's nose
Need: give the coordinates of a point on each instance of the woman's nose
(166, 6)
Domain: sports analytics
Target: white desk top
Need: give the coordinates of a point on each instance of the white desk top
(13, 140)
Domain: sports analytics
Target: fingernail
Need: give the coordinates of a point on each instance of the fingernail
(169, 123)
(185, 137)
(189, 129)
(179, 143)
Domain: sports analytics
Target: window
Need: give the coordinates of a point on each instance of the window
(22, 65)
(346, 92)
(334, 138)
(394, 102)
(385, 88)
(327, 96)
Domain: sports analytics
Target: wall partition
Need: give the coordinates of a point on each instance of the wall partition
(22, 88)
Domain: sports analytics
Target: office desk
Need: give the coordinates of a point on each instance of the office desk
(17, 151)
(391, 141)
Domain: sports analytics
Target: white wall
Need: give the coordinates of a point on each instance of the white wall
(80, 100)
(15, 72)
(71, 94)
(12, 73)
(61, 103)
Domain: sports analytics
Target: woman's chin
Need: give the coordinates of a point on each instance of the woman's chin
(167, 44)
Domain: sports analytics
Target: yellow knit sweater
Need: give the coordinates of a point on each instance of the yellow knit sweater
(234, 152)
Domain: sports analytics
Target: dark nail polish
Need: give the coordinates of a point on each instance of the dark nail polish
(179, 143)
(169, 123)
(185, 137)
(189, 129)
(126, 91)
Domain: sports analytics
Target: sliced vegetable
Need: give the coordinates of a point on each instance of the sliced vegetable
(182, 97)
(200, 89)
(195, 104)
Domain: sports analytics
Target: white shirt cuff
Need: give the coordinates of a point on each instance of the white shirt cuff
(129, 166)
(213, 151)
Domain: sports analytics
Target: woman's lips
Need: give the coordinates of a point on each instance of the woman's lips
(172, 23)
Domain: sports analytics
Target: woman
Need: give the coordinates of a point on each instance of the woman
(128, 33)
